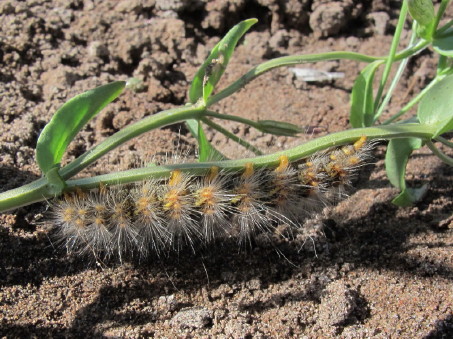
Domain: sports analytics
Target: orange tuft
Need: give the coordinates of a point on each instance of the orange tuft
(68, 214)
(175, 178)
(172, 200)
(205, 196)
(248, 172)
(359, 143)
(354, 160)
(213, 173)
(284, 162)
(99, 221)
(80, 223)
(347, 150)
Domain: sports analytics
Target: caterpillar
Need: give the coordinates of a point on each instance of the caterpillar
(159, 215)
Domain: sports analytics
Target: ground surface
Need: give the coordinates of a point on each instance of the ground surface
(369, 269)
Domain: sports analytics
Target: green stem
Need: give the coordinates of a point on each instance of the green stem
(440, 13)
(417, 48)
(442, 64)
(443, 29)
(300, 59)
(442, 156)
(25, 195)
(232, 136)
(232, 118)
(294, 154)
(38, 190)
(285, 61)
(392, 53)
(397, 77)
(444, 141)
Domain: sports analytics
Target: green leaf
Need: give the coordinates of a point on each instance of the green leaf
(206, 152)
(68, 120)
(443, 43)
(204, 147)
(422, 11)
(362, 101)
(410, 195)
(278, 128)
(436, 107)
(215, 64)
(398, 152)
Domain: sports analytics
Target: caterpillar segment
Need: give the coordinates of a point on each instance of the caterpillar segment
(212, 201)
(153, 234)
(125, 233)
(285, 189)
(178, 208)
(98, 228)
(250, 202)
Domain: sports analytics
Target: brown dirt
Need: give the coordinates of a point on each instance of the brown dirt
(368, 269)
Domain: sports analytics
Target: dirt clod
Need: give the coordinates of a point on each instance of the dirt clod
(193, 317)
(338, 305)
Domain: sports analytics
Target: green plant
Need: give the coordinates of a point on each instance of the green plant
(434, 116)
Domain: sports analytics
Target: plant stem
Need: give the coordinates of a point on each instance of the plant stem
(444, 141)
(443, 29)
(38, 190)
(294, 154)
(411, 51)
(232, 118)
(25, 195)
(300, 59)
(445, 158)
(392, 53)
(440, 13)
(396, 78)
(285, 61)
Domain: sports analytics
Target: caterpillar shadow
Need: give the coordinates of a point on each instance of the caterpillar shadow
(377, 240)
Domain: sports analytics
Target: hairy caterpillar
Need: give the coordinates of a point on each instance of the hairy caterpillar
(163, 214)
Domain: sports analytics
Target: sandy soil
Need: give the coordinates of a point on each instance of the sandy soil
(363, 268)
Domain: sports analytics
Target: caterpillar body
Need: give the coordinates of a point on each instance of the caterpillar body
(158, 215)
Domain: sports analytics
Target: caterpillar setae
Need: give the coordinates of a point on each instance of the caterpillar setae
(158, 215)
